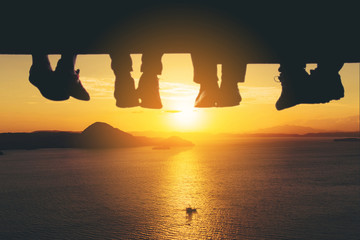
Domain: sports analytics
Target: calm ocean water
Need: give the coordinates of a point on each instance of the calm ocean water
(242, 189)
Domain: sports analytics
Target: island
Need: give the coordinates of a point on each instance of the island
(97, 135)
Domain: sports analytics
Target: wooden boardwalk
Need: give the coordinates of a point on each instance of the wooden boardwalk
(252, 32)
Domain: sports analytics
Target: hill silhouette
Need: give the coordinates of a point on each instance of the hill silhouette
(97, 135)
(101, 135)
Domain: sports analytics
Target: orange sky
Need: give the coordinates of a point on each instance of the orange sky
(24, 109)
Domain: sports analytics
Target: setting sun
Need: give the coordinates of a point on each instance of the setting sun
(187, 119)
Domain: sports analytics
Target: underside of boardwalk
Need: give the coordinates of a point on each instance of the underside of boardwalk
(228, 31)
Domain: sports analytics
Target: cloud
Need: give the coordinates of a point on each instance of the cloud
(177, 91)
(259, 95)
(99, 88)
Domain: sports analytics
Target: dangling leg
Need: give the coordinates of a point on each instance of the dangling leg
(205, 73)
(327, 80)
(232, 74)
(66, 73)
(42, 77)
(148, 88)
(323, 85)
(125, 93)
(295, 86)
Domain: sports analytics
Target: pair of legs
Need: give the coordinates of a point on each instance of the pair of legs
(322, 85)
(60, 84)
(210, 94)
(147, 94)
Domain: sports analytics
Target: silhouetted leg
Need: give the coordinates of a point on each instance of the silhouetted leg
(205, 73)
(125, 93)
(232, 74)
(65, 73)
(42, 77)
(295, 83)
(327, 80)
(148, 88)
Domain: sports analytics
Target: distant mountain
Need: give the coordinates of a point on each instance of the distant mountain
(101, 135)
(289, 129)
(321, 134)
(174, 141)
(97, 135)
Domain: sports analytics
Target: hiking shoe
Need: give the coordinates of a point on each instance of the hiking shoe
(229, 95)
(208, 95)
(71, 82)
(295, 88)
(328, 82)
(51, 88)
(148, 91)
(125, 93)
(76, 89)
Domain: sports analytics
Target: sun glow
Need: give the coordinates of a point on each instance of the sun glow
(178, 92)
(183, 115)
(187, 118)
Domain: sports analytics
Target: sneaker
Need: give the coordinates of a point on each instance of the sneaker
(229, 95)
(148, 91)
(76, 88)
(50, 87)
(295, 88)
(70, 80)
(125, 93)
(328, 82)
(208, 95)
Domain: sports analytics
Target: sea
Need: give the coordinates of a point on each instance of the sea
(241, 188)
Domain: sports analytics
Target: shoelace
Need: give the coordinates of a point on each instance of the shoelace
(277, 79)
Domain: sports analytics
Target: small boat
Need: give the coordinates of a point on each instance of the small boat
(190, 210)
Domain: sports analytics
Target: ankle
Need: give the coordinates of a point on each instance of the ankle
(229, 85)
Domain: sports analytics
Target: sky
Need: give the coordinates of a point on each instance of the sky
(23, 109)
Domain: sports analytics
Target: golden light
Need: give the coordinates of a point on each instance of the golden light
(183, 115)
(178, 93)
(187, 118)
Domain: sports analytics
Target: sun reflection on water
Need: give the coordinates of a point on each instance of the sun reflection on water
(186, 186)
(186, 178)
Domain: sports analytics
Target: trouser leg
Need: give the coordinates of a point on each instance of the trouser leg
(148, 89)
(231, 74)
(205, 68)
(124, 93)
(121, 64)
(327, 81)
(151, 63)
(205, 73)
(41, 61)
